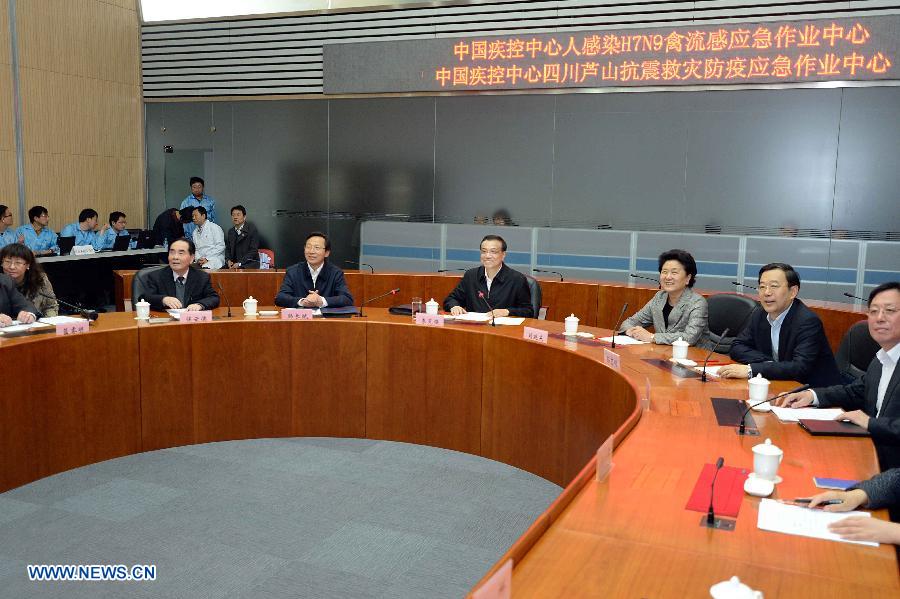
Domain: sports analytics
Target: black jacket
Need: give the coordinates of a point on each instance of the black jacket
(243, 248)
(508, 290)
(11, 301)
(197, 289)
(330, 284)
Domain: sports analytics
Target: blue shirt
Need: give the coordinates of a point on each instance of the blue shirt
(776, 330)
(108, 237)
(91, 238)
(7, 237)
(38, 243)
(207, 202)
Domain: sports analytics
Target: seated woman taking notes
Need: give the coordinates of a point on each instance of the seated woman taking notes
(675, 311)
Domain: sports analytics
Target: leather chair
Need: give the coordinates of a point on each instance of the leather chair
(138, 283)
(535, 288)
(856, 350)
(728, 311)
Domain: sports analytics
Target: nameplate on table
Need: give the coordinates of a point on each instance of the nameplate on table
(430, 320)
(196, 316)
(498, 586)
(296, 314)
(533, 334)
(72, 327)
(82, 250)
(611, 358)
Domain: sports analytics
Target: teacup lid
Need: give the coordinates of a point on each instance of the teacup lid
(733, 589)
(767, 448)
(758, 379)
(250, 298)
(571, 316)
(430, 302)
(143, 302)
(680, 341)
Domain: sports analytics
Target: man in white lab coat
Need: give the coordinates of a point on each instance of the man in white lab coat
(210, 241)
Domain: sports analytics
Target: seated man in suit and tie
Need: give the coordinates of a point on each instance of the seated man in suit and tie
(14, 305)
(785, 340)
(315, 283)
(242, 241)
(178, 285)
(504, 289)
(872, 401)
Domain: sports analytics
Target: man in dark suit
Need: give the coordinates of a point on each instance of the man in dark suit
(505, 289)
(242, 241)
(786, 340)
(315, 283)
(872, 401)
(13, 304)
(178, 285)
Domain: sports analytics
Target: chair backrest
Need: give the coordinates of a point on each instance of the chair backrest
(535, 288)
(139, 284)
(856, 350)
(266, 259)
(728, 311)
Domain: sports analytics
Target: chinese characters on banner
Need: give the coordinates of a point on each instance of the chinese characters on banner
(734, 53)
(726, 54)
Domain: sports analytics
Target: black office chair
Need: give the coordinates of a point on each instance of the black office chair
(535, 288)
(728, 311)
(139, 284)
(856, 350)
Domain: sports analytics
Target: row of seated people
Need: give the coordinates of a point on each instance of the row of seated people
(43, 240)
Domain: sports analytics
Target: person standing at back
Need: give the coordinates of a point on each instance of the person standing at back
(197, 197)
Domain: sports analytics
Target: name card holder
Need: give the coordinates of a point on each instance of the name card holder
(430, 320)
(611, 358)
(83, 250)
(196, 316)
(72, 328)
(533, 334)
(296, 314)
(604, 459)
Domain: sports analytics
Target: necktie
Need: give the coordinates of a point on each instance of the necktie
(179, 290)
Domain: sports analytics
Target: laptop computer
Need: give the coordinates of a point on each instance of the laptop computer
(65, 244)
(145, 240)
(121, 243)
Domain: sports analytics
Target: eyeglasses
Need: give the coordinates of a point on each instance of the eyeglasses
(889, 312)
(770, 287)
(7, 215)
(9, 263)
(313, 248)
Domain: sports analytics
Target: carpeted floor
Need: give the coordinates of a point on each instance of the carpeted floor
(302, 517)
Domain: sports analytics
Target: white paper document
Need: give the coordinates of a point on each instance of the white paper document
(710, 370)
(17, 327)
(795, 414)
(470, 317)
(508, 321)
(623, 340)
(55, 320)
(803, 521)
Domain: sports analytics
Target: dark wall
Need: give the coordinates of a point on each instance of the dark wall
(761, 161)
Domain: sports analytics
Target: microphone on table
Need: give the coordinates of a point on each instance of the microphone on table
(452, 270)
(552, 272)
(394, 291)
(850, 295)
(618, 322)
(711, 514)
(647, 278)
(84, 312)
(742, 429)
(222, 291)
(712, 351)
(372, 268)
(739, 284)
(484, 299)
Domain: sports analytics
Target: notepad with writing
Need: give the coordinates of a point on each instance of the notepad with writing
(729, 491)
(803, 521)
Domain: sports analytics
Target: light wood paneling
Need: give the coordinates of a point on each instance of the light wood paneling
(8, 182)
(8, 191)
(82, 119)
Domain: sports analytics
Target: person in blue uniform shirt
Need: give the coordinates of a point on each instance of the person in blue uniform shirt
(8, 233)
(38, 235)
(198, 198)
(315, 283)
(117, 228)
(84, 231)
(785, 340)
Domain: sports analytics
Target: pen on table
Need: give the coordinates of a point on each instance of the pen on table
(809, 499)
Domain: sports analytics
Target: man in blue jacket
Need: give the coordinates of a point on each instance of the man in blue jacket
(315, 283)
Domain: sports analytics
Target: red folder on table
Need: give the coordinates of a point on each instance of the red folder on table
(729, 491)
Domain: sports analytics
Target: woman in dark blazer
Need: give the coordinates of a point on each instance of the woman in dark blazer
(675, 311)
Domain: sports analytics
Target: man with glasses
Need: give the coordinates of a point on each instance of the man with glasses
(786, 340)
(500, 287)
(872, 401)
(38, 235)
(315, 283)
(8, 234)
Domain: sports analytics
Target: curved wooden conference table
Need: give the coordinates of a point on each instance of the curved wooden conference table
(127, 387)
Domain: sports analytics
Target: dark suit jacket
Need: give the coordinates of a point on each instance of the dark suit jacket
(862, 394)
(508, 290)
(11, 301)
(298, 283)
(803, 351)
(243, 248)
(197, 289)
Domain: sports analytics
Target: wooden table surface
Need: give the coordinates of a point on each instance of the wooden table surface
(127, 387)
